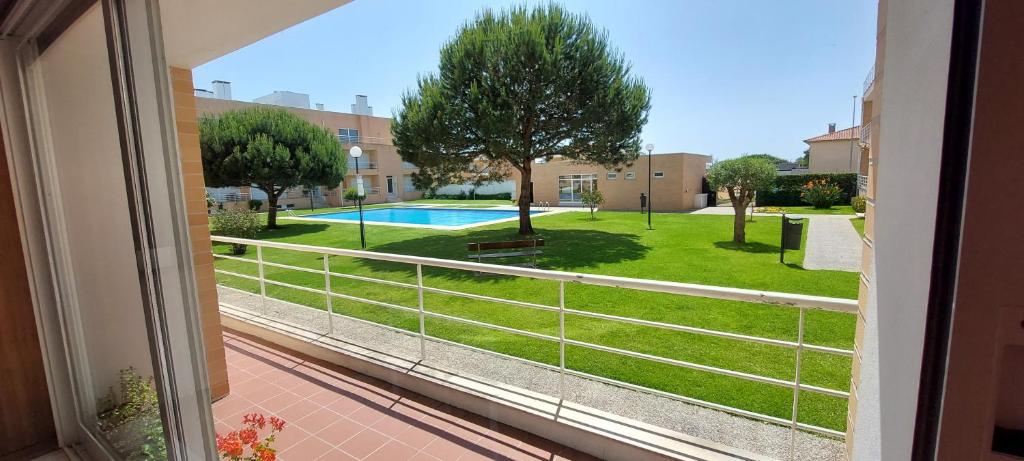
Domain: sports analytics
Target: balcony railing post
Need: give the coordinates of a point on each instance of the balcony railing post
(423, 330)
(796, 383)
(561, 339)
(327, 288)
(263, 285)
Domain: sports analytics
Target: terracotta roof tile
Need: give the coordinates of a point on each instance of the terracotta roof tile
(839, 135)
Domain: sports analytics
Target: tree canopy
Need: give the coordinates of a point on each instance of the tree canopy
(516, 86)
(741, 177)
(271, 148)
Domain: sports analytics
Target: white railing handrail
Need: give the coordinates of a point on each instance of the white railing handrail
(800, 302)
(678, 288)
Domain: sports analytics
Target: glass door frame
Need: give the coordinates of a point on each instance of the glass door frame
(154, 187)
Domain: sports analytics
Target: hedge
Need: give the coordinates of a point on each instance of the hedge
(468, 196)
(785, 190)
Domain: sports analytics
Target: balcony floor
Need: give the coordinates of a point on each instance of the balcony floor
(337, 414)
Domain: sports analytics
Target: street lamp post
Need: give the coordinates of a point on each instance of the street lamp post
(650, 176)
(356, 152)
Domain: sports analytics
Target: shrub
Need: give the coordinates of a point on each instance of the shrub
(352, 194)
(236, 223)
(255, 204)
(769, 209)
(859, 204)
(785, 190)
(592, 199)
(821, 193)
(131, 420)
(464, 196)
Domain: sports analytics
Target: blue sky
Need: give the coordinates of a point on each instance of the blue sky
(727, 77)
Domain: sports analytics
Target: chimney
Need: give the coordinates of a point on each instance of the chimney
(203, 93)
(361, 107)
(221, 89)
(831, 127)
(319, 106)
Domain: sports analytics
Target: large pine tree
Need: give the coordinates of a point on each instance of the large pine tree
(517, 86)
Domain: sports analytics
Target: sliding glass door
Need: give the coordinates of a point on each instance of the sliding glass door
(570, 187)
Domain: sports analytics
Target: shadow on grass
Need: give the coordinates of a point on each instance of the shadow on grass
(749, 247)
(565, 249)
(292, 229)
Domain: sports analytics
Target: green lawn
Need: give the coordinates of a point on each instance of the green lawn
(858, 223)
(838, 209)
(684, 248)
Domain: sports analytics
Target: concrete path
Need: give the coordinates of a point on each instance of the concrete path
(755, 436)
(832, 244)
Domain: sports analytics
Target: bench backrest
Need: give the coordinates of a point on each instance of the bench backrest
(505, 245)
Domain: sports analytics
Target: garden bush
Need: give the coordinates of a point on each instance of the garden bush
(255, 204)
(236, 223)
(858, 204)
(466, 196)
(821, 194)
(786, 189)
(352, 194)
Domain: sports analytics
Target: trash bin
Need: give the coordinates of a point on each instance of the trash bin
(792, 231)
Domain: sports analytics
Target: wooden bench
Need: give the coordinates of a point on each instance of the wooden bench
(522, 248)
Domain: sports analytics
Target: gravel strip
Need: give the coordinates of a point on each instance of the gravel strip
(755, 436)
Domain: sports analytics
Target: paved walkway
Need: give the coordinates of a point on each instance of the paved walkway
(832, 242)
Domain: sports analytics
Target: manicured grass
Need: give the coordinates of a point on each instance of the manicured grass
(837, 209)
(858, 223)
(683, 248)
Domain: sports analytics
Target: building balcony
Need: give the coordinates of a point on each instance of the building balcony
(869, 82)
(365, 141)
(376, 330)
(365, 166)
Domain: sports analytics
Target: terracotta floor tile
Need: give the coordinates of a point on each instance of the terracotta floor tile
(446, 449)
(393, 451)
(289, 437)
(336, 455)
(416, 436)
(366, 416)
(364, 443)
(391, 425)
(307, 449)
(421, 456)
(345, 406)
(298, 410)
(318, 420)
(340, 431)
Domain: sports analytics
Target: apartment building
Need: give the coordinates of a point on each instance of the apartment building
(675, 182)
(386, 178)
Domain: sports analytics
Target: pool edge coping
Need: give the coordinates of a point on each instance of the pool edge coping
(431, 226)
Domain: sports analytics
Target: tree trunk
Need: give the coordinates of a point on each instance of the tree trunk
(525, 226)
(272, 211)
(739, 223)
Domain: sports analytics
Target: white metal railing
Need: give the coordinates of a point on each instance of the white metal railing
(348, 140)
(869, 80)
(862, 185)
(795, 301)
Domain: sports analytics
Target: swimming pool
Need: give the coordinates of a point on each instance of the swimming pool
(423, 217)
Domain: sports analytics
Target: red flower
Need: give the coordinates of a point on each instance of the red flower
(254, 420)
(276, 423)
(248, 436)
(230, 445)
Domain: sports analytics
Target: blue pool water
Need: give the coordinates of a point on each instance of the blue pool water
(450, 217)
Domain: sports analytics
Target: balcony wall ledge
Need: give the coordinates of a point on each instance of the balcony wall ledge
(592, 431)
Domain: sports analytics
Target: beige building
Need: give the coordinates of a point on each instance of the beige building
(675, 184)
(386, 178)
(836, 151)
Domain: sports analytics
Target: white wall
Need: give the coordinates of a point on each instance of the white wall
(489, 188)
(911, 122)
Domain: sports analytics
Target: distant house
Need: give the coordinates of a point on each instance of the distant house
(836, 151)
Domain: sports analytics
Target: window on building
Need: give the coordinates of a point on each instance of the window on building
(612, 176)
(571, 186)
(659, 174)
(630, 175)
(348, 135)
